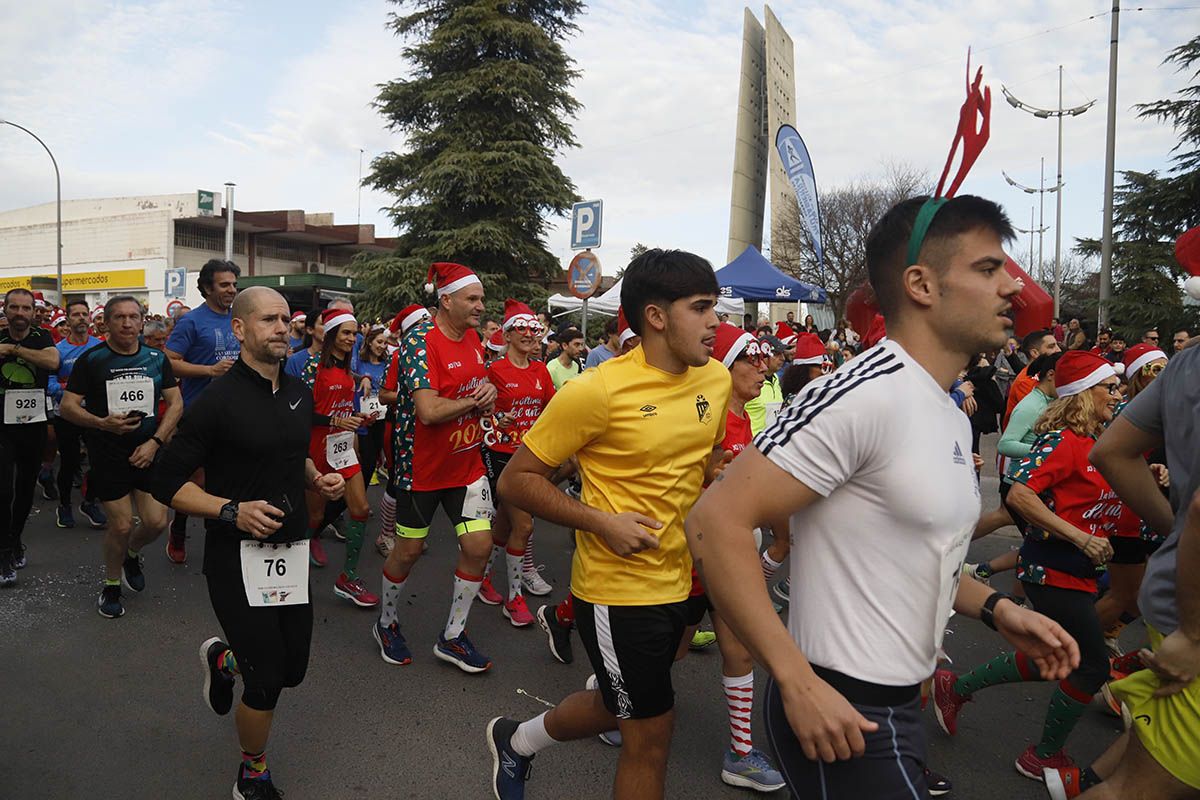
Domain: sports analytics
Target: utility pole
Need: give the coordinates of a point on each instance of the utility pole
(1106, 246)
(229, 221)
(1041, 228)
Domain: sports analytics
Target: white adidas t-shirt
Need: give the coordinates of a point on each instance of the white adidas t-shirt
(875, 564)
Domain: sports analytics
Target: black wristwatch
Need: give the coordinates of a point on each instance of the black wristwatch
(229, 513)
(987, 614)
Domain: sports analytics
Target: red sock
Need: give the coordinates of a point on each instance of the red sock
(565, 612)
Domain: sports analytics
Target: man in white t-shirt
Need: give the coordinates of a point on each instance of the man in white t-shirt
(873, 465)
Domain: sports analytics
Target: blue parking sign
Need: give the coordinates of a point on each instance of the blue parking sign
(586, 219)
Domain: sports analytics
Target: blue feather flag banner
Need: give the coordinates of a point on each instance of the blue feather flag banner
(799, 168)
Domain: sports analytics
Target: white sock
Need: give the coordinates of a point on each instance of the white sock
(530, 737)
(513, 560)
(390, 603)
(769, 566)
(497, 549)
(739, 700)
(465, 590)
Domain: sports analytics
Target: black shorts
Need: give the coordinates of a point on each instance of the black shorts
(891, 768)
(697, 606)
(110, 475)
(415, 510)
(632, 649)
(494, 462)
(271, 645)
(1130, 549)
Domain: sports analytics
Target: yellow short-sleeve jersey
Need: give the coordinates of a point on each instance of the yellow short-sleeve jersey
(643, 438)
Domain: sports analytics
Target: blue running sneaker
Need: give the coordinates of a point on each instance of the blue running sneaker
(64, 517)
(510, 769)
(110, 602)
(392, 647)
(94, 514)
(461, 653)
(131, 573)
(751, 771)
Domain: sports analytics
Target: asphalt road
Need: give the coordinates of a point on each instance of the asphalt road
(112, 708)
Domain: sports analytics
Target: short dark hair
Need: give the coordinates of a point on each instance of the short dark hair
(17, 290)
(1043, 364)
(72, 303)
(568, 334)
(1117, 336)
(663, 276)
(1182, 330)
(887, 244)
(209, 272)
(610, 327)
(1034, 339)
(122, 298)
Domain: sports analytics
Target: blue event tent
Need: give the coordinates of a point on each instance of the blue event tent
(751, 277)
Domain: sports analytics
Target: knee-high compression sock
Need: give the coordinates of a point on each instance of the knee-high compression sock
(513, 560)
(393, 589)
(387, 515)
(769, 565)
(355, 529)
(527, 564)
(739, 701)
(497, 549)
(1004, 668)
(1067, 705)
(254, 765)
(466, 587)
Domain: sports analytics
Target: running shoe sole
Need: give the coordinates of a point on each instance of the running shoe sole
(449, 659)
(100, 611)
(541, 618)
(536, 589)
(734, 779)
(91, 520)
(383, 650)
(208, 675)
(353, 599)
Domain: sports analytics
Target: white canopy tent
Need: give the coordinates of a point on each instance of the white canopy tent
(610, 301)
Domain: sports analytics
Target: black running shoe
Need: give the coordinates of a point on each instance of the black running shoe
(109, 603)
(256, 788)
(49, 490)
(558, 635)
(18, 556)
(8, 571)
(132, 575)
(937, 784)
(218, 687)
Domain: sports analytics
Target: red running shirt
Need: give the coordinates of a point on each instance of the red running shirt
(333, 396)
(737, 433)
(520, 393)
(446, 455)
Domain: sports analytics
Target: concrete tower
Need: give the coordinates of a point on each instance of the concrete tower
(766, 100)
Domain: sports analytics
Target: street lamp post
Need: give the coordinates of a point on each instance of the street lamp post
(1041, 191)
(58, 201)
(1059, 113)
(1031, 230)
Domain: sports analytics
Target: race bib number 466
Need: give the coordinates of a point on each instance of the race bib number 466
(130, 394)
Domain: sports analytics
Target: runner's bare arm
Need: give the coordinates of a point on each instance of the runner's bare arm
(183, 369)
(170, 417)
(1026, 503)
(72, 410)
(750, 493)
(46, 358)
(1119, 455)
(433, 409)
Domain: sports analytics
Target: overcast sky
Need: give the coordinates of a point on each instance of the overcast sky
(164, 96)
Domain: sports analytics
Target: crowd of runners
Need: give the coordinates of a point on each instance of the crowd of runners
(694, 459)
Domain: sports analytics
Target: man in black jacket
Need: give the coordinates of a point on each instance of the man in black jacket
(250, 432)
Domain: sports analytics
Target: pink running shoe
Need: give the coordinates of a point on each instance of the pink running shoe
(947, 702)
(488, 594)
(1031, 765)
(354, 591)
(316, 552)
(517, 612)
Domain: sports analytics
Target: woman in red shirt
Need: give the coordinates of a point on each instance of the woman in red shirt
(332, 447)
(1071, 513)
(523, 388)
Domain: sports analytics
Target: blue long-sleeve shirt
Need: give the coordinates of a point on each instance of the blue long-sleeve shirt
(68, 354)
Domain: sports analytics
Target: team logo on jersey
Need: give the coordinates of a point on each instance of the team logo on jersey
(958, 455)
(648, 411)
(703, 409)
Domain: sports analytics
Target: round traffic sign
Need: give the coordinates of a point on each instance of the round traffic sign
(583, 275)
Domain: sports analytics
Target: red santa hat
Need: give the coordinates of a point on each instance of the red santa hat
(517, 313)
(410, 316)
(625, 333)
(333, 317)
(876, 333)
(296, 315)
(809, 350)
(1079, 370)
(57, 319)
(1139, 356)
(731, 342)
(39, 300)
(97, 312)
(785, 334)
(447, 278)
(496, 342)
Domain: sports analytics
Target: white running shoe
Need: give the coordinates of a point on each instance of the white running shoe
(534, 583)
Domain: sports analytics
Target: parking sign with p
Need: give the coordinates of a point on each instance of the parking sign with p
(173, 283)
(586, 219)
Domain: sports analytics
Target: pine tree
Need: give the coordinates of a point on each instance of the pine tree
(484, 111)
(1150, 211)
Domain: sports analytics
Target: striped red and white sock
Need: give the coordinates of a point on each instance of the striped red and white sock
(387, 515)
(769, 566)
(739, 700)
